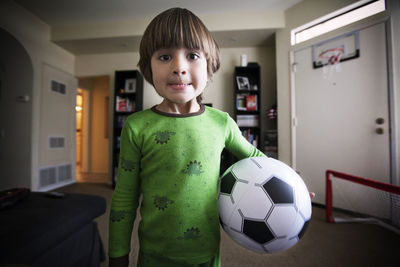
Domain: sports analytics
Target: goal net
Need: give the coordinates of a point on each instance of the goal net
(384, 208)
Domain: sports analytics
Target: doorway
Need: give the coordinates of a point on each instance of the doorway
(16, 86)
(78, 109)
(92, 135)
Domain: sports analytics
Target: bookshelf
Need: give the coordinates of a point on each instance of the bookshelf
(248, 102)
(128, 98)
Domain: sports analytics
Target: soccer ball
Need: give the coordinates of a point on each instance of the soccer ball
(264, 205)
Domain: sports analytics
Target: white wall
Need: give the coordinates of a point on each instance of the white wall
(220, 89)
(215, 21)
(34, 35)
(107, 64)
(219, 92)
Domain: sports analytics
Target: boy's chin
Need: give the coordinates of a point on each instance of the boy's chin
(182, 101)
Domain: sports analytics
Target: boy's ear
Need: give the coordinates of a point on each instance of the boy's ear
(209, 77)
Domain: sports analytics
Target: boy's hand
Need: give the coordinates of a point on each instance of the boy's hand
(122, 261)
(312, 195)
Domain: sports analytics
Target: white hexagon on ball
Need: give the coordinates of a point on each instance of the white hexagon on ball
(282, 220)
(255, 204)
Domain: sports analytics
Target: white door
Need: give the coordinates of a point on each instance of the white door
(336, 118)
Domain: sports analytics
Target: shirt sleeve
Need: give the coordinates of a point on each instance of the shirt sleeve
(126, 195)
(237, 144)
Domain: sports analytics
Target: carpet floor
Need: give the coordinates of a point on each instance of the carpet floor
(324, 244)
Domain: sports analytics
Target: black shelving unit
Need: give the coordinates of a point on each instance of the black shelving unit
(247, 107)
(128, 98)
(248, 102)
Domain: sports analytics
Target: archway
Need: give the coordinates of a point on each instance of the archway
(16, 82)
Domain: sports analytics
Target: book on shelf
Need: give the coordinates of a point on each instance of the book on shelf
(246, 102)
(118, 145)
(247, 120)
(121, 120)
(241, 101)
(123, 104)
(251, 102)
(255, 141)
(251, 136)
(115, 173)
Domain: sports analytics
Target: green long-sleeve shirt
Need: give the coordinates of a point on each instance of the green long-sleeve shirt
(173, 161)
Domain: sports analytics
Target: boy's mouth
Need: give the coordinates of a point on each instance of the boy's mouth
(179, 86)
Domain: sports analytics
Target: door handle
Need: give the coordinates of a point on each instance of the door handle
(380, 121)
(380, 130)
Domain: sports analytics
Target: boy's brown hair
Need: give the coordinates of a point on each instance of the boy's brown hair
(177, 27)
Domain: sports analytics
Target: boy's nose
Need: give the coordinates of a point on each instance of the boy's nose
(180, 67)
(181, 72)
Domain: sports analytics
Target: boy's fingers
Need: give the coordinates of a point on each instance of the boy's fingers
(312, 195)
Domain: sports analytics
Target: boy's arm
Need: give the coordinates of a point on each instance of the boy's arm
(125, 200)
(237, 144)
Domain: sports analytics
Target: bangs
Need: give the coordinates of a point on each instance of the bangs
(179, 28)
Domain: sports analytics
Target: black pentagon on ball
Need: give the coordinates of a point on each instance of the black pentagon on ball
(279, 191)
(227, 183)
(258, 231)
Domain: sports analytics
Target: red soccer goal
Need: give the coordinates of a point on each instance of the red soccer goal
(390, 192)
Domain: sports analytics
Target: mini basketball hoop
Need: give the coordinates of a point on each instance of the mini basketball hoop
(331, 56)
(330, 61)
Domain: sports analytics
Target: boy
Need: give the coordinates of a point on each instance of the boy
(170, 154)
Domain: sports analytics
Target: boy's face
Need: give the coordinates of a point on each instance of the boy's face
(179, 74)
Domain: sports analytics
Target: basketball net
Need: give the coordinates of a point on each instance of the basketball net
(330, 60)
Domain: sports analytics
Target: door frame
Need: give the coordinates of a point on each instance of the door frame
(393, 143)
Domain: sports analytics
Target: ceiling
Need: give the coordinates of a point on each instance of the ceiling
(80, 12)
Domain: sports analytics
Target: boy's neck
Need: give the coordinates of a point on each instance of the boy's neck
(177, 108)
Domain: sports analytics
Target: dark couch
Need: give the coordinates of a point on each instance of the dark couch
(50, 230)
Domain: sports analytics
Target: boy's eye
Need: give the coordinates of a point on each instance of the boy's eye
(164, 57)
(193, 56)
